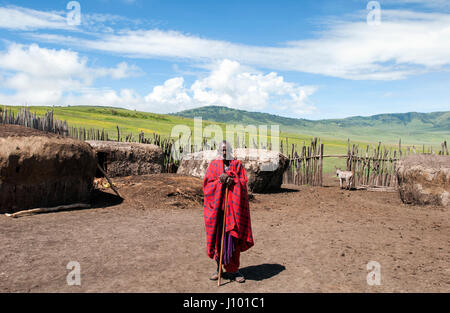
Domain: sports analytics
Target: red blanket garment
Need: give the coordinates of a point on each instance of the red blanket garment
(238, 213)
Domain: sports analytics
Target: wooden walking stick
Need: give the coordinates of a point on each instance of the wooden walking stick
(223, 235)
(109, 181)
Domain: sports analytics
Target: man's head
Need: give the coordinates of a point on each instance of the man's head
(225, 150)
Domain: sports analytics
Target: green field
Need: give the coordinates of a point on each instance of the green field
(133, 122)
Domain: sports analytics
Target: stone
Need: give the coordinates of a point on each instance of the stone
(424, 179)
(264, 168)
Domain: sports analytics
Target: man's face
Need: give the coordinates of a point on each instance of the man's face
(224, 151)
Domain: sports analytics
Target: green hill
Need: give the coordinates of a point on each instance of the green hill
(414, 128)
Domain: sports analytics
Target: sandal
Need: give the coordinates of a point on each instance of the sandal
(238, 277)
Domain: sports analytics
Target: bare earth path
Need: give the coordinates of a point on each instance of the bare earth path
(308, 240)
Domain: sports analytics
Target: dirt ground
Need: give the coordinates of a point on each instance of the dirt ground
(307, 239)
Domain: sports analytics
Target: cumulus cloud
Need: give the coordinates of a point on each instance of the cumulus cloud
(43, 76)
(231, 84)
(124, 98)
(172, 94)
(123, 70)
(40, 76)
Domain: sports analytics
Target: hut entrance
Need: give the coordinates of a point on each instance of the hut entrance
(102, 158)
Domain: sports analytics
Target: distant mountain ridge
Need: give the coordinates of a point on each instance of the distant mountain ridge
(423, 127)
(226, 115)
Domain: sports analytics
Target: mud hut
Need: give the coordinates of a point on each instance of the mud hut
(39, 169)
(128, 158)
(424, 179)
(264, 168)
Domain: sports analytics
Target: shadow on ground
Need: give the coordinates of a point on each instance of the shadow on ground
(284, 189)
(261, 272)
(100, 199)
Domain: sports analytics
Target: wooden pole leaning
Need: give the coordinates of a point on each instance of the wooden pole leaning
(223, 235)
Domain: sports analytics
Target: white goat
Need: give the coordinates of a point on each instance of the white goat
(346, 176)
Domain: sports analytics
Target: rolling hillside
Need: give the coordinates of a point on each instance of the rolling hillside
(418, 128)
(412, 128)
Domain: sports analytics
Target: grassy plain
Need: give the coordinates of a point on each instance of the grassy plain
(133, 122)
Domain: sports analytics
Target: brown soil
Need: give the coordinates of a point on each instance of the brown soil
(307, 239)
(7, 130)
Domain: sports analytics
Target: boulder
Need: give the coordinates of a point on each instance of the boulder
(39, 169)
(424, 179)
(264, 168)
(128, 158)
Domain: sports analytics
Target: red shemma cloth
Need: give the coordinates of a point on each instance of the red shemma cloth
(238, 213)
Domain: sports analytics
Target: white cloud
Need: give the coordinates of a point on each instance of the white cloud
(42, 76)
(42, 62)
(123, 70)
(125, 98)
(172, 94)
(406, 43)
(441, 4)
(39, 76)
(24, 19)
(13, 17)
(232, 85)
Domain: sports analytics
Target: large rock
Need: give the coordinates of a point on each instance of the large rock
(424, 179)
(127, 158)
(264, 168)
(38, 169)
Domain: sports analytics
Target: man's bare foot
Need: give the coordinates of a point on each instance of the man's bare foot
(214, 276)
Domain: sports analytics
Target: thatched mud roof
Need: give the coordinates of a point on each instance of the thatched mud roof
(424, 179)
(39, 169)
(128, 158)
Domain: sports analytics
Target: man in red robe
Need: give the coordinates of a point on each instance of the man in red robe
(226, 172)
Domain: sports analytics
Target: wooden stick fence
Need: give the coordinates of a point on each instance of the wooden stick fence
(306, 167)
(49, 124)
(375, 166)
(26, 118)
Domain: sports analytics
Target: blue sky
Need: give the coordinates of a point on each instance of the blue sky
(306, 59)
